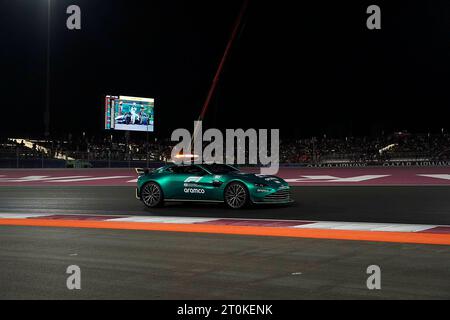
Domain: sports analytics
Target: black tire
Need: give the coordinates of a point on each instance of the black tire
(152, 195)
(236, 195)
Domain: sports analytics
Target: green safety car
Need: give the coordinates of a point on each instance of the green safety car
(209, 183)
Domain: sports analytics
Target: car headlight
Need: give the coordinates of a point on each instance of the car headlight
(260, 185)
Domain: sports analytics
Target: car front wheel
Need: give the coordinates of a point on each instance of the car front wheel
(152, 195)
(236, 195)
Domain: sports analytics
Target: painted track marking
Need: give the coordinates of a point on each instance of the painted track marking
(400, 233)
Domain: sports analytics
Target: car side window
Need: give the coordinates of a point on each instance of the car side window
(195, 170)
(177, 170)
(187, 170)
(171, 169)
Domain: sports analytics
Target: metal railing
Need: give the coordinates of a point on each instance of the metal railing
(25, 158)
(34, 159)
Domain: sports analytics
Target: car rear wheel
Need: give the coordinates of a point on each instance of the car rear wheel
(152, 195)
(236, 195)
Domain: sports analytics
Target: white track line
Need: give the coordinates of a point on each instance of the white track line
(92, 179)
(436, 176)
(38, 178)
(187, 220)
(357, 226)
(21, 215)
(325, 225)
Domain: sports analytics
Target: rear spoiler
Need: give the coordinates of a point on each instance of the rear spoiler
(141, 171)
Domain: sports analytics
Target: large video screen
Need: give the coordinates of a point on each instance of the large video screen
(129, 113)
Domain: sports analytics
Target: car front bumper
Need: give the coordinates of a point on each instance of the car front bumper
(138, 196)
(280, 196)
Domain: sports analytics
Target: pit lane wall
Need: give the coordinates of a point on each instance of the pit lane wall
(42, 163)
(400, 163)
(295, 176)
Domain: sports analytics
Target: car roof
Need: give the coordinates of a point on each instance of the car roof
(203, 166)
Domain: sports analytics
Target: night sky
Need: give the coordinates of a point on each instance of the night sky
(307, 68)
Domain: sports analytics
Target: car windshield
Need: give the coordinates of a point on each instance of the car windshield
(219, 168)
(191, 169)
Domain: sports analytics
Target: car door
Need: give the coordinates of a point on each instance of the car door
(189, 182)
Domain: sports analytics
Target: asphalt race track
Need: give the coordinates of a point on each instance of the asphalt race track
(407, 204)
(160, 265)
(125, 264)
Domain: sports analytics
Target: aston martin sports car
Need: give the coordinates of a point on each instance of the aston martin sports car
(209, 183)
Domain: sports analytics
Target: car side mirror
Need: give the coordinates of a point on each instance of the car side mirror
(217, 183)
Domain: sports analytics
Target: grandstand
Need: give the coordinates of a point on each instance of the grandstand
(102, 151)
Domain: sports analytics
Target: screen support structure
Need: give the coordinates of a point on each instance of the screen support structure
(215, 81)
(47, 89)
(147, 146)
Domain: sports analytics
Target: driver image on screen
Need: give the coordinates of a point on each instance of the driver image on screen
(131, 114)
(144, 116)
(135, 119)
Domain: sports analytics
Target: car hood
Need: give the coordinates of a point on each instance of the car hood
(271, 181)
